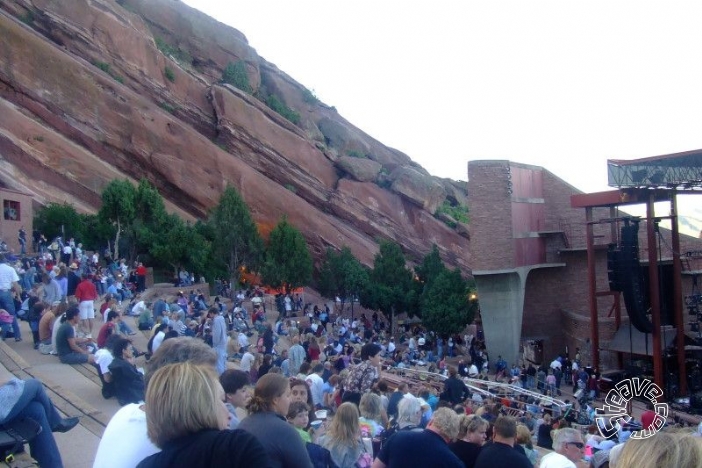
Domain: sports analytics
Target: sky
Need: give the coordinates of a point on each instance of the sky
(561, 84)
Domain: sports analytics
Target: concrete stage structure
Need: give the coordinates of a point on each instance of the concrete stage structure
(529, 245)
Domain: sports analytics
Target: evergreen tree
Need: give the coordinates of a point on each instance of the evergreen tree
(430, 268)
(180, 245)
(446, 304)
(58, 219)
(235, 238)
(341, 274)
(118, 208)
(390, 284)
(150, 220)
(288, 262)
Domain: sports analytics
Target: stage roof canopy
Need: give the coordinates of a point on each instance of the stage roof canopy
(682, 171)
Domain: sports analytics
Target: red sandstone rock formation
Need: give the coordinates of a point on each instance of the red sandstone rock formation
(96, 90)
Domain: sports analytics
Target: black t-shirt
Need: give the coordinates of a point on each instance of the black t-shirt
(498, 454)
(211, 448)
(425, 448)
(468, 452)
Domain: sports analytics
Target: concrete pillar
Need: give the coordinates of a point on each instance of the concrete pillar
(501, 296)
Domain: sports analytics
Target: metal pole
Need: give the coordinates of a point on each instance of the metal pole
(677, 295)
(654, 292)
(592, 289)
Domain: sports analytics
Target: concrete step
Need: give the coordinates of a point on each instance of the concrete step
(75, 391)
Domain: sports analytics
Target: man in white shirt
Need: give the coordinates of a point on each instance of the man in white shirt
(391, 346)
(125, 442)
(555, 364)
(568, 450)
(243, 340)
(473, 371)
(316, 384)
(246, 360)
(138, 308)
(9, 280)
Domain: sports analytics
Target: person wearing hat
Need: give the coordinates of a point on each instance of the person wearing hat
(73, 279)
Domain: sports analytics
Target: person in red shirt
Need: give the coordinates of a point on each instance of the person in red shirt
(107, 329)
(86, 295)
(141, 277)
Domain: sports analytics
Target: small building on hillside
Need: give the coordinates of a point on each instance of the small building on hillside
(17, 212)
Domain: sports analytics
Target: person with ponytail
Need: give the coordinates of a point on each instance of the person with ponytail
(268, 409)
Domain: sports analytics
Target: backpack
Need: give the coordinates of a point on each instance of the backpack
(13, 436)
(321, 457)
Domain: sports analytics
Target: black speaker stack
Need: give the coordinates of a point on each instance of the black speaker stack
(625, 275)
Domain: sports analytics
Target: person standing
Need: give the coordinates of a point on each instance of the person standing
(9, 281)
(455, 391)
(297, 356)
(73, 280)
(22, 238)
(362, 376)
(86, 294)
(219, 338)
(141, 277)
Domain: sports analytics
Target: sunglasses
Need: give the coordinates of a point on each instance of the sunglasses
(577, 444)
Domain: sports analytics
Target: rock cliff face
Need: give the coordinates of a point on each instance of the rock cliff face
(96, 90)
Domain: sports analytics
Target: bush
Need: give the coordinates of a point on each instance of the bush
(235, 74)
(179, 55)
(291, 188)
(28, 18)
(170, 75)
(309, 97)
(167, 107)
(356, 154)
(104, 66)
(458, 212)
(277, 105)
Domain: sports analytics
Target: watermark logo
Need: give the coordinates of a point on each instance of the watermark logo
(617, 400)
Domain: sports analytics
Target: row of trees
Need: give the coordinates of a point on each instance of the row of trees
(133, 223)
(439, 296)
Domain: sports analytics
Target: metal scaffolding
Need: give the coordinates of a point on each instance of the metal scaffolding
(682, 171)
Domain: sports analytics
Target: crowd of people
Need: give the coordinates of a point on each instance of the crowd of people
(224, 382)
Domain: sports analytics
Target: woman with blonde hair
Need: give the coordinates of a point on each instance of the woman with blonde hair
(343, 438)
(268, 409)
(371, 419)
(524, 439)
(186, 418)
(680, 450)
(472, 432)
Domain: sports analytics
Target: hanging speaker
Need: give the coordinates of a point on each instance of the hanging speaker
(630, 277)
(613, 272)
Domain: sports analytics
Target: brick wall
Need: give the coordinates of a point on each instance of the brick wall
(9, 228)
(491, 243)
(556, 304)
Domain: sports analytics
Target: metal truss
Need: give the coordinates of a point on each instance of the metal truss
(682, 171)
